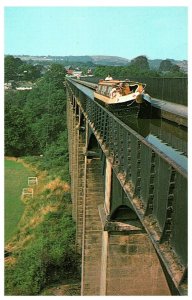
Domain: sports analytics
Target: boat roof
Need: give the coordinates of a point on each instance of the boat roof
(114, 82)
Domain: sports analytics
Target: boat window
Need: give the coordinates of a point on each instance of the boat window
(109, 90)
(133, 87)
(98, 88)
(103, 90)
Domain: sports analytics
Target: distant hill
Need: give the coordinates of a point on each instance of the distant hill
(155, 63)
(110, 60)
(104, 60)
(183, 64)
(97, 60)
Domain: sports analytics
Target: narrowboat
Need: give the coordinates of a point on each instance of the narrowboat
(127, 95)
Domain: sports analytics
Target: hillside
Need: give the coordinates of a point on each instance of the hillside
(97, 60)
(105, 60)
(110, 60)
(155, 63)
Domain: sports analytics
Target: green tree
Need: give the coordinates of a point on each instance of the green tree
(11, 67)
(56, 75)
(16, 127)
(15, 132)
(35, 119)
(165, 65)
(45, 111)
(133, 71)
(29, 72)
(140, 63)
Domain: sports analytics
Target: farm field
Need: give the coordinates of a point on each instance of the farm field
(15, 179)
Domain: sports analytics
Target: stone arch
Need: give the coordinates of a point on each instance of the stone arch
(124, 213)
(82, 122)
(92, 141)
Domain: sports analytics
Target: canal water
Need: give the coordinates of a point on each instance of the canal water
(168, 137)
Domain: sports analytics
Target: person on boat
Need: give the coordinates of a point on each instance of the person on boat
(113, 93)
(126, 89)
(118, 92)
(139, 88)
(109, 77)
(121, 85)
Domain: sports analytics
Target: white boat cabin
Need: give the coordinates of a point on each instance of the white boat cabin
(116, 91)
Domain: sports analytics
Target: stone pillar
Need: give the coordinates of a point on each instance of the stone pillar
(103, 279)
(92, 229)
(76, 143)
(72, 142)
(80, 171)
(108, 176)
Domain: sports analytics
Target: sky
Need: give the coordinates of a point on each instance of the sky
(157, 32)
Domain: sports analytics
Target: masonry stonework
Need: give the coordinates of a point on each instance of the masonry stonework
(133, 267)
(77, 164)
(92, 229)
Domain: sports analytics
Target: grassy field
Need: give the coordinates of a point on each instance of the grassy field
(43, 258)
(16, 178)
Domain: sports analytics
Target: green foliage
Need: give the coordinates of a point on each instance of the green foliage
(29, 72)
(131, 71)
(46, 260)
(16, 69)
(140, 63)
(16, 131)
(139, 68)
(35, 119)
(170, 70)
(55, 158)
(35, 123)
(56, 75)
(15, 98)
(50, 255)
(165, 65)
(12, 67)
(28, 275)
